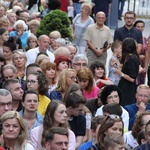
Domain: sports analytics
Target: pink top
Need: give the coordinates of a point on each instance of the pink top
(92, 94)
(36, 136)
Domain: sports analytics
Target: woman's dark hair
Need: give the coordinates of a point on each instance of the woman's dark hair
(42, 81)
(28, 92)
(141, 136)
(128, 48)
(107, 91)
(138, 123)
(139, 21)
(97, 64)
(2, 59)
(17, 40)
(107, 123)
(10, 44)
(2, 31)
(54, 4)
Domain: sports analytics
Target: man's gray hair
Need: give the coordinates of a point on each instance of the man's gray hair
(80, 57)
(4, 92)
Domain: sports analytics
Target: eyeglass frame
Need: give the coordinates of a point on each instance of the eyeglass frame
(32, 81)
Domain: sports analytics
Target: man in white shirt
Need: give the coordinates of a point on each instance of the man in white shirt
(43, 42)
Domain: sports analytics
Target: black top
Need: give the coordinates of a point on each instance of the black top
(92, 105)
(76, 1)
(123, 32)
(78, 125)
(131, 68)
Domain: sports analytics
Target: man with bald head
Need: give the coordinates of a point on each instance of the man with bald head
(43, 45)
(98, 37)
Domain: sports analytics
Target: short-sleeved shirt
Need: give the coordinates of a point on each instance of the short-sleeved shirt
(123, 32)
(97, 37)
(78, 125)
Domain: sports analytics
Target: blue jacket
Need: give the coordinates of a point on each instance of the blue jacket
(132, 110)
(143, 147)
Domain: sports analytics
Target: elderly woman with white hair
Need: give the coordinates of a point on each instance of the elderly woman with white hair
(20, 31)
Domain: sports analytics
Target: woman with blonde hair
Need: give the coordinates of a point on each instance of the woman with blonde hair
(33, 25)
(14, 132)
(86, 81)
(42, 58)
(31, 42)
(80, 23)
(4, 23)
(67, 76)
(12, 19)
(19, 60)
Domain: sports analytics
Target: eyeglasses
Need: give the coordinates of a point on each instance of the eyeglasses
(9, 104)
(73, 78)
(81, 64)
(112, 97)
(113, 117)
(31, 81)
(143, 96)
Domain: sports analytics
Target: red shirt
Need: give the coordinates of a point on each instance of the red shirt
(64, 5)
(100, 85)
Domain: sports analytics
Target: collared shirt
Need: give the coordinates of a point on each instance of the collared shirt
(32, 54)
(123, 32)
(98, 36)
(38, 122)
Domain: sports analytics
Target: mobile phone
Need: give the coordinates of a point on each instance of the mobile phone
(115, 65)
(105, 44)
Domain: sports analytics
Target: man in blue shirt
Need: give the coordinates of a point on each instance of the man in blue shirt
(141, 105)
(95, 124)
(128, 30)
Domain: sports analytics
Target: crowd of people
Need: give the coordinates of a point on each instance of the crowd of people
(55, 94)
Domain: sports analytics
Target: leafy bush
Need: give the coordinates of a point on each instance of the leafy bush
(55, 20)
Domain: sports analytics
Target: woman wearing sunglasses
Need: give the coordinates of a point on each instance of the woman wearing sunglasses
(112, 124)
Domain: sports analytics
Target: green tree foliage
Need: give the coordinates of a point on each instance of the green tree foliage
(55, 20)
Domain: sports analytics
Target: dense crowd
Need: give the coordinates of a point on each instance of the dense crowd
(55, 94)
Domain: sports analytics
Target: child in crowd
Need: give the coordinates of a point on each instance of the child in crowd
(114, 142)
(115, 62)
(70, 9)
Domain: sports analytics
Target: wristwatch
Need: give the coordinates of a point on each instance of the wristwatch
(122, 75)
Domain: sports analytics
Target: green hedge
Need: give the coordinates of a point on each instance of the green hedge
(55, 20)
